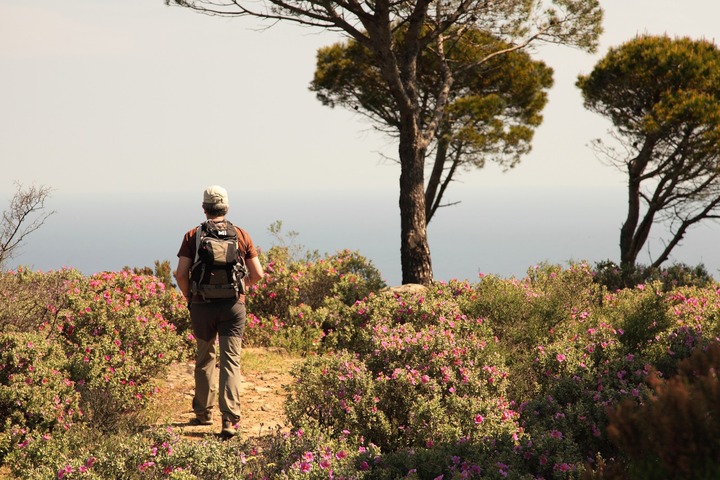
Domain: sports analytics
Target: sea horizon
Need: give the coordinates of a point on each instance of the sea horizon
(492, 231)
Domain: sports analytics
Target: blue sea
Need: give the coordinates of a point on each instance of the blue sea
(501, 231)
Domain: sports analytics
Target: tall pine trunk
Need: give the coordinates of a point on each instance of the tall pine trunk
(414, 248)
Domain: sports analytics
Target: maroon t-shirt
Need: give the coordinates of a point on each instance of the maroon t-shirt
(245, 245)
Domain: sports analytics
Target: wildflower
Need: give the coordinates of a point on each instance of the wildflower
(64, 471)
(479, 419)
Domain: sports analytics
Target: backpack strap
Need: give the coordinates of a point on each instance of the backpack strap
(196, 260)
(241, 267)
(198, 237)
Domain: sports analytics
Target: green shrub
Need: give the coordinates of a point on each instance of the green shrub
(118, 343)
(613, 277)
(339, 279)
(336, 393)
(30, 299)
(37, 397)
(156, 454)
(642, 314)
(420, 373)
(311, 453)
(499, 379)
(534, 311)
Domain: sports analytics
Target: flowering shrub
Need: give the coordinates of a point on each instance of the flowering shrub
(315, 454)
(37, 397)
(118, 341)
(420, 373)
(159, 453)
(533, 311)
(595, 361)
(339, 279)
(29, 299)
(504, 378)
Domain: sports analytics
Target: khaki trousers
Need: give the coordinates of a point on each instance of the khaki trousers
(218, 328)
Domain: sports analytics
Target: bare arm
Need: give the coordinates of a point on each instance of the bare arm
(182, 275)
(255, 271)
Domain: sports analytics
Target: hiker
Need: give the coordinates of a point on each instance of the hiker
(215, 290)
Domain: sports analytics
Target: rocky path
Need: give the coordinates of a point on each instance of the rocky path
(262, 392)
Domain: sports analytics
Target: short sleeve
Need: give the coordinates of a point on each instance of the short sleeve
(187, 247)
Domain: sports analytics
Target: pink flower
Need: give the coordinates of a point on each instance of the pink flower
(64, 471)
(479, 419)
(560, 357)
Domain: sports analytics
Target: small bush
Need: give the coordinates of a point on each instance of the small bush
(29, 299)
(614, 277)
(420, 373)
(641, 314)
(531, 312)
(343, 278)
(118, 342)
(37, 397)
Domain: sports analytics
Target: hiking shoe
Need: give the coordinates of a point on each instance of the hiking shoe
(229, 429)
(202, 418)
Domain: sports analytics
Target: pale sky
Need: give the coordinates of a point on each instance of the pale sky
(101, 97)
(132, 95)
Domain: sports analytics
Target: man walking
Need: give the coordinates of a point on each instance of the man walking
(219, 312)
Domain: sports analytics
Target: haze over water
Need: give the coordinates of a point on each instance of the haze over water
(502, 231)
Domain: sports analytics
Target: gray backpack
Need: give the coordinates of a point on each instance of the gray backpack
(219, 269)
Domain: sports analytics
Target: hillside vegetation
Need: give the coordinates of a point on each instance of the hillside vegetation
(554, 375)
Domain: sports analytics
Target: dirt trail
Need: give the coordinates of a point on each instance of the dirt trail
(262, 396)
